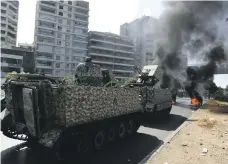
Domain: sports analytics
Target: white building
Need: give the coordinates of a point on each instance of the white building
(9, 21)
(112, 52)
(141, 31)
(61, 36)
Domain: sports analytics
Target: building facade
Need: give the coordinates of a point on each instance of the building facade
(112, 52)
(9, 23)
(142, 32)
(61, 36)
(15, 58)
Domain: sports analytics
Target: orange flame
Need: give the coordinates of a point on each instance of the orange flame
(194, 101)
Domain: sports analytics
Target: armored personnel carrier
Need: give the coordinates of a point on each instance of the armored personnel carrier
(83, 112)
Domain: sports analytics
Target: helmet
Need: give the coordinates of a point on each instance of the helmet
(88, 59)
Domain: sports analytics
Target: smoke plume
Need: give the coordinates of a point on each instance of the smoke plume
(191, 30)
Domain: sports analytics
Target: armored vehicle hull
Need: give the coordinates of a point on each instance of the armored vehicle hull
(64, 117)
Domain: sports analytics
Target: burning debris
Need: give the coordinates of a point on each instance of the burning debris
(188, 32)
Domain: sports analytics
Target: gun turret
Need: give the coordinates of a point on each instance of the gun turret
(151, 74)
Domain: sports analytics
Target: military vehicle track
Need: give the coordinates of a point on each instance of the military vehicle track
(80, 140)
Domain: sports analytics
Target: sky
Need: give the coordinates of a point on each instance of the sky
(104, 15)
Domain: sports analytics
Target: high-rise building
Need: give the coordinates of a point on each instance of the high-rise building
(112, 52)
(16, 58)
(141, 31)
(61, 36)
(9, 21)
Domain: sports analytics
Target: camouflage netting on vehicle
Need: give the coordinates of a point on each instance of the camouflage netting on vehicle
(82, 104)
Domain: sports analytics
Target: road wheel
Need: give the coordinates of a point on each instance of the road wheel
(111, 134)
(121, 130)
(84, 144)
(130, 127)
(99, 140)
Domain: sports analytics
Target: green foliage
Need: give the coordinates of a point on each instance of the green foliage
(10, 75)
(221, 95)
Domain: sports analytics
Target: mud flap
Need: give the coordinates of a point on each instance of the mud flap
(31, 111)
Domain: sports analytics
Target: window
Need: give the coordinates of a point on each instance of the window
(57, 73)
(3, 39)
(57, 57)
(3, 18)
(67, 58)
(69, 8)
(59, 35)
(67, 37)
(69, 15)
(73, 66)
(58, 42)
(47, 24)
(11, 35)
(3, 32)
(68, 22)
(57, 65)
(48, 10)
(59, 28)
(3, 11)
(61, 13)
(60, 21)
(46, 32)
(60, 7)
(3, 4)
(67, 44)
(70, 2)
(13, 9)
(67, 66)
(68, 30)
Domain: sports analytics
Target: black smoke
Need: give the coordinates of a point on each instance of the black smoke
(191, 30)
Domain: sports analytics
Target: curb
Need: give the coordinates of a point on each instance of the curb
(160, 147)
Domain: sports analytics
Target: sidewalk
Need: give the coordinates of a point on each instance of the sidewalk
(203, 139)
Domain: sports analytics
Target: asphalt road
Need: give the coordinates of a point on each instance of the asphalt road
(128, 151)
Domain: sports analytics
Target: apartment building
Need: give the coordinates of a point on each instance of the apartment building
(16, 58)
(112, 52)
(9, 23)
(61, 36)
(141, 31)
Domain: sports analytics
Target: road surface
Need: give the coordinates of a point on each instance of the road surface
(129, 151)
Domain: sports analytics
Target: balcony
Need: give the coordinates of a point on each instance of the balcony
(110, 49)
(11, 56)
(3, 64)
(110, 56)
(47, 9)
(43, 66)
(48, 3)
(44, 58)
(109, 42)
(111, 63)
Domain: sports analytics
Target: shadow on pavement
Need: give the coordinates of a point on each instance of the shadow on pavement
(169, 125)
(131, 150)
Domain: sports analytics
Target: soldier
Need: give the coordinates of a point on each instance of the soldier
(88, 73)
